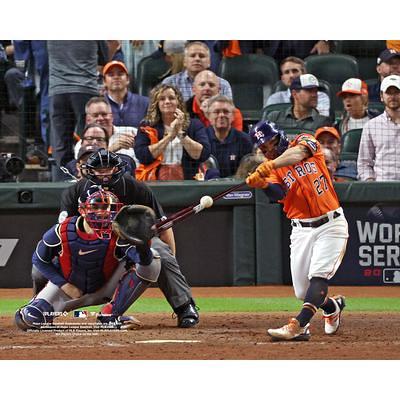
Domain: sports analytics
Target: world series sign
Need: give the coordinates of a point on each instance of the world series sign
(373, 249)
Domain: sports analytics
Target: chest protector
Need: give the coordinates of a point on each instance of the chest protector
(85, 260)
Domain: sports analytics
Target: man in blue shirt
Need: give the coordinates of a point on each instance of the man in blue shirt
(228, 145)
(196, 59)
(128, 108)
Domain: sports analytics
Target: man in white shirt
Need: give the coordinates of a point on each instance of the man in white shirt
(291, 68)
(121, 138)
(379, 152)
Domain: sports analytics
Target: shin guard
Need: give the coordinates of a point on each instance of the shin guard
(129, 289)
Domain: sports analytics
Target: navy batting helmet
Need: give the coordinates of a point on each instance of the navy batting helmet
(104, 160)
(264, 131)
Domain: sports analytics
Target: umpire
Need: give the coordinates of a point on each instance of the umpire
(107, 169)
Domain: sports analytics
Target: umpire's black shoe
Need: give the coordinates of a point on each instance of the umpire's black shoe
(187, 315)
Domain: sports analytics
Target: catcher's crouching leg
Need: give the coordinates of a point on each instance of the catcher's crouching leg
(38, 280)
(130, 287)
(34, 314)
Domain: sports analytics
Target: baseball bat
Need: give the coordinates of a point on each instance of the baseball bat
(192, 210)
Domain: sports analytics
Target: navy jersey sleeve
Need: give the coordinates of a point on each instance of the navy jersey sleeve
(198, 133)
(275, 192)
(46, 250)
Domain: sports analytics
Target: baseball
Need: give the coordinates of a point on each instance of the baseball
(206, 201)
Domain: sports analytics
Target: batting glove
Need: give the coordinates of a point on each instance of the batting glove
(256, 181)
(266, 168)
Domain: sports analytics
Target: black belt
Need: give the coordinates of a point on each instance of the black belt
(315, 224)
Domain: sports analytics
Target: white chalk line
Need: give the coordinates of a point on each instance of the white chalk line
(161, 341)
(167, 341)
(109, 344)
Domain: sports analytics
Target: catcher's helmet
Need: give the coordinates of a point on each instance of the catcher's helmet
(104, 160)
(264, 131)
(99, 208)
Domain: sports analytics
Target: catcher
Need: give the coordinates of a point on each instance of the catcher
(296, 175)
(106, 169)
(86, 263)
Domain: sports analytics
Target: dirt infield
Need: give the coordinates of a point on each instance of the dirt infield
(219, 336)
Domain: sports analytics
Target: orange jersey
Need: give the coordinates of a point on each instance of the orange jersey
(310, 191)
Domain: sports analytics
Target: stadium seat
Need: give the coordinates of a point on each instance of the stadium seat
(366, 52)
(349, 153)
(371, 82)
(279, 86)
(347, 156)
(367, 67)
(376, 107)
(149, 71)
(327, 88)
(351, 141)
(335, 69)
(274, 107)
(252, 77)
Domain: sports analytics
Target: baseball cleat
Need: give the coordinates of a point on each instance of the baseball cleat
(187, 315)
(123, 322)
(129, 322)
(291, 331)
(332, 321)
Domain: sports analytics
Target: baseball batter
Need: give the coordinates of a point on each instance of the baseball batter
(296, 175)
(87, 264)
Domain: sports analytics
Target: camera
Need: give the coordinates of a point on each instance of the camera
(10, 166)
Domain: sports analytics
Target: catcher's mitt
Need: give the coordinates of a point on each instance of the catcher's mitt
(136, 224)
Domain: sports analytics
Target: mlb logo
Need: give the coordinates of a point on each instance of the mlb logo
(80, 314)
(391, 275)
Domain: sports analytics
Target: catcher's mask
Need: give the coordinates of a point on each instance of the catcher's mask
(265, 132)
(99, 210)
(104, 168)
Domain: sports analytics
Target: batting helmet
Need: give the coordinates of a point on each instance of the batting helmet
(264, 131)
(99, 208)
(104, 159)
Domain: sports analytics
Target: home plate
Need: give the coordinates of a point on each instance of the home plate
(167, 341)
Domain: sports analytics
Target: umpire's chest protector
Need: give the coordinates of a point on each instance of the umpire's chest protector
(86, 261)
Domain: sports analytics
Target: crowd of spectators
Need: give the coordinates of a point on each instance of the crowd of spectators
(86, 101)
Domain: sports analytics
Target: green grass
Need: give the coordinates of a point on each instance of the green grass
(214, 304)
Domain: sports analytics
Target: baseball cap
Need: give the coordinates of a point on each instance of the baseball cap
(387, 55)
(111, 64)
(84, 150)
(329, 129)
(355, 86)
(391, 80)
(305, 81)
